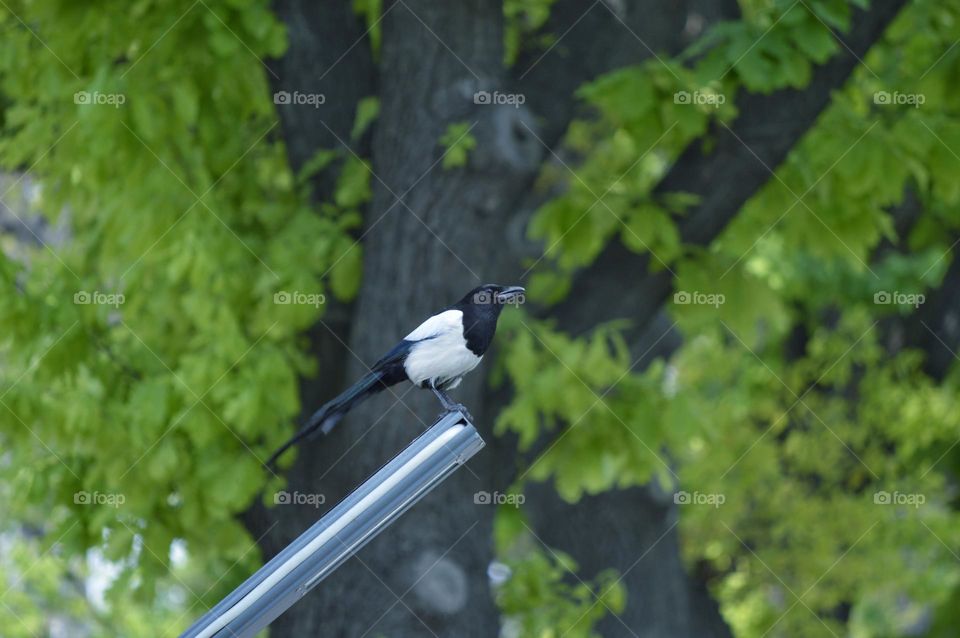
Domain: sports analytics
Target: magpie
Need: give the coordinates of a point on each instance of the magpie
(435, 356)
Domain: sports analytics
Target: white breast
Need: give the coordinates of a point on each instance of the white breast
(441, 354)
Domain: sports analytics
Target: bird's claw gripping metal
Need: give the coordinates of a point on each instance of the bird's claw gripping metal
(457, 407)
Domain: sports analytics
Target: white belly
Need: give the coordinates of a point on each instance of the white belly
(442, 359)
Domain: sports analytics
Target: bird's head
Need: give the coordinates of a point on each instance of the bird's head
(494, 295)
(481, 309)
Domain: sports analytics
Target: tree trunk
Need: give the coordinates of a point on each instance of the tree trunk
(428, 239)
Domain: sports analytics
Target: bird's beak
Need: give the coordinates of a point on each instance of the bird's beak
(511, 294)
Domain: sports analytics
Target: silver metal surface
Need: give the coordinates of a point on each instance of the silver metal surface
(342, 531)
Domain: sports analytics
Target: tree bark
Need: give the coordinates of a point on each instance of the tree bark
(428, 238)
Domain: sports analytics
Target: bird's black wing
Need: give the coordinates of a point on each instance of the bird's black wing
(390, 365)
(396, 353)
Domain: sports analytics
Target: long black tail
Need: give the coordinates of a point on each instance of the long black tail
(327, 417)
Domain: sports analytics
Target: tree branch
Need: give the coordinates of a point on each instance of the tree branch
(767, 128)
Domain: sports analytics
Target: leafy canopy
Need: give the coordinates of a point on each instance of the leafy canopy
(780, 461)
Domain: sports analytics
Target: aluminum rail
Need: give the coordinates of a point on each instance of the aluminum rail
(342, 531)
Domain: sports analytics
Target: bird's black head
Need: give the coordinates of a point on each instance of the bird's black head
(481, 308)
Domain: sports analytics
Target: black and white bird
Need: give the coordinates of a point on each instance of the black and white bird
(435, 356)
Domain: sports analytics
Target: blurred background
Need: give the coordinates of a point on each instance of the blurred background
(727, 407)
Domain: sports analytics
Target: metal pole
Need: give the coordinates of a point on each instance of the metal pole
(342, 531)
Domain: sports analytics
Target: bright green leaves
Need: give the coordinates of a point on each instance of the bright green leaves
(351, 192)
(154, 127)
(543, 595)
(822, 458)
(522, 19)
(776, 46)
(814, 40)
(824, 428)
(625, 96)
(347, 270)
(538, 600)
(457, 142)
(648, 113)
(371, 11)
(367, 111)
(255, 21)
(353, 185)
(648, 227)
(607, 412)
(709, 293)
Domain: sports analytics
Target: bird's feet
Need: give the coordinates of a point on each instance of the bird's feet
(457, 407)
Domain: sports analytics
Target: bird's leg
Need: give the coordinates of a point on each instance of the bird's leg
(448, 404)
(444, 399)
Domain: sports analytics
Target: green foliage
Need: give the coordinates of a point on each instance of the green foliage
(457, 142)
(367, 111)
(522, 20)
(600, 448)
(802, 447)
(644, 124)
(371, 11)
(543, 597)
(151, 128)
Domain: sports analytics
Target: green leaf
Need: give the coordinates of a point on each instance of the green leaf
(353, 184)
(815, 40)
(347, 272)
(458, 143)
(371, 11)
(367, 111)
(320, 160)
